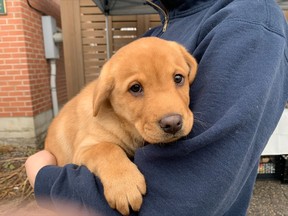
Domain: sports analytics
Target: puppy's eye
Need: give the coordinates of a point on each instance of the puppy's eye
(136, 89)
(179, 79)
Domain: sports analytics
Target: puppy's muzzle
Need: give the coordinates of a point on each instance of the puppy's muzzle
(171, 123)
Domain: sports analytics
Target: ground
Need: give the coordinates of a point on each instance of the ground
(270, 198)
(15, 190)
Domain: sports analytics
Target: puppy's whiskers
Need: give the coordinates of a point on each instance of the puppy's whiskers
(199, 122)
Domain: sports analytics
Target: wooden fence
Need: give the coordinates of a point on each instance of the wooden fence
(84, 33)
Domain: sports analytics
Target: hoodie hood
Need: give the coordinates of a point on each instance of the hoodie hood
(180, 6)
(169, 9)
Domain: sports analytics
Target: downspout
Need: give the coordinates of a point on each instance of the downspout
(107, 26)
(107, 37)
(53, 88)
(57, 37)
(52, 36)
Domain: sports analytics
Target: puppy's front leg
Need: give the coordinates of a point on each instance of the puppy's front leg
(123, 183)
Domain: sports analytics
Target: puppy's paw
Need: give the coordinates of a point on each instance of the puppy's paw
(125, 187)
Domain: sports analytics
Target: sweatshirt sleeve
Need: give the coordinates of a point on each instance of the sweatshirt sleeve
(71, 190)
(237, 99)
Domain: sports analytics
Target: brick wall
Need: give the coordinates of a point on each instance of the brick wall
(24, 71)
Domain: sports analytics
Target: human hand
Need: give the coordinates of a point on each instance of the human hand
(36, 161)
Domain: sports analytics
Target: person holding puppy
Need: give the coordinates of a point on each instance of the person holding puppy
(237, 99)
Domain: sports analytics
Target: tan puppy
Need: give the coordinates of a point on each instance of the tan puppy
(141, 95)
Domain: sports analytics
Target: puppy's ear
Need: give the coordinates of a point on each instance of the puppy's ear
(192, 63)
(102, 91)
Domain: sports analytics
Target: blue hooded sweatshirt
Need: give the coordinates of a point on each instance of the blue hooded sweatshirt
(237, 99)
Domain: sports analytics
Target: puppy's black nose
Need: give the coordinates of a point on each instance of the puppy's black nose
(171, 124)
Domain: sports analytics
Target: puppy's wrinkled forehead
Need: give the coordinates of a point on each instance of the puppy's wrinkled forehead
(146, 53)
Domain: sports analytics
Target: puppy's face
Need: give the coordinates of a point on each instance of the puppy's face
(147, 84)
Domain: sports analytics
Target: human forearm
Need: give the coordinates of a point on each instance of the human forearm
(37, 161)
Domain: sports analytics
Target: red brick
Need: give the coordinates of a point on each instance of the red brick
(10, 49)
(4, 104)
(8, 99)
(3, 21)
(14, 83)
(5, 67)
(2, 114)
(12, 61)
(21, 77)
(22, 88)
(14, 21)
(17, 104)
(23, 98)
(7, 27)
(6, 77)
(26, 82)
(14, 72)
(9, 39)
(5, 55)
(2, 83)
(19, 55)
(20, 66)
(29, 103)
(19, 44)
(15, 93)
(25, 109)
(4, 94)
(10, 109)
(7, 88)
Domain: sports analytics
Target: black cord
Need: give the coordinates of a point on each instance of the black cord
(41, 12)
